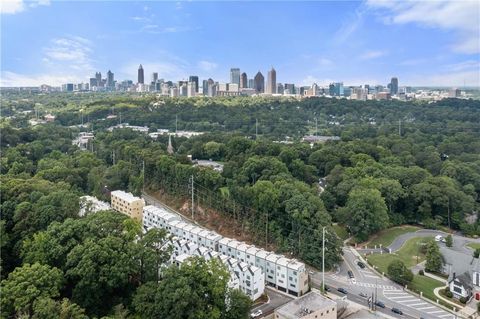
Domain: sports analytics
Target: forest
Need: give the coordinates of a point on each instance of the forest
(395, 163)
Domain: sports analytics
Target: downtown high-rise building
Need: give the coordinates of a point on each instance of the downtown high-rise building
(154, 77)
(194, 78)
(110, 79)
(394, 86)
(272, 81)
(259, 84)
(243, 81)
(141, 78)
(235, 76)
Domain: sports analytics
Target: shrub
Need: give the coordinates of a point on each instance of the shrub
(476, 253)
(421, 272)
(399, 273)
(463, 300)
(449, 294)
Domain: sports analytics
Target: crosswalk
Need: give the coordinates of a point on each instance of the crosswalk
(408, 300)
(372, 285)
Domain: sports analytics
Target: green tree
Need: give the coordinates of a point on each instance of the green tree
(368, 212)
(476, 253)
(26, 284)
(449, 240)
(398, 272)
(433, 257)
(46, 308)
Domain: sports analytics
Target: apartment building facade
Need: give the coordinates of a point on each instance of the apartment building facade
(127, 204)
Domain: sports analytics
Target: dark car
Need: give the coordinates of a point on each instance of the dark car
(380, 304)
(360, 264)
(327, 288)
(362, 294)
(342, 290)
(397, 311)
(350, 274)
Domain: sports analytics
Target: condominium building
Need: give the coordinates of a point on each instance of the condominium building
(127, 204)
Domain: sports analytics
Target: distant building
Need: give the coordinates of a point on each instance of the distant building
(98, 77)
(235, 76)
(141, 79)
(309, 306)
(90, 204)
(279, 88)
(289, 88)
(243, 81)
(67, 87)
(394, 86)
(336, 89)
(154, 77)
(454, 93)
(191, 89)
(110, 80)
(251, 83)
(128, 204)
(272, 81)
(259, 84)
(194, 79)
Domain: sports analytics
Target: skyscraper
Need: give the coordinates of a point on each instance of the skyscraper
(141, 79)
(110, 81)
(259, 83)
(394, 86)
(194, 78)
(272, 81)
(154, 77)
(243, 81)
(235, 75)
(98, 76)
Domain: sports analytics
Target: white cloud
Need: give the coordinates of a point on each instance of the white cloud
(9, 79)
(463, 17)
(71, 52)
(470, 65)
(16, 6)
(373, 54)
(469, 78)
(206, 66)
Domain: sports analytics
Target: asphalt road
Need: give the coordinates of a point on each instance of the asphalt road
(388, 292)
(276, 299)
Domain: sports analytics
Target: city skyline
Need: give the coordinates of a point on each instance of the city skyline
(318, 42)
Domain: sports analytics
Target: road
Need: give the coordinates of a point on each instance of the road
(390, 293)
(276, 299)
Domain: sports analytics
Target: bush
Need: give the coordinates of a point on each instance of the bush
(449, 240)
(476, 253)
(449, 294)
(399, 273)
(478, 306)
(447, 288)
(463, 300)
(421, 272)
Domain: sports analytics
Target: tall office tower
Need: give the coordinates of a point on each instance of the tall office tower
(235, 75)
(211, 88)
(243, 81)
(191, 89)
(154, 77)
(141, 79)
(259, 84)
(272, 81)
(98, 76)
(289, 88)
(251, 83)
(394, 86)
(93, 82)
(110, 81)
(194, 78)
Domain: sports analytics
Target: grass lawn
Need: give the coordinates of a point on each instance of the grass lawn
(386, 236)
(474, 245)
(341, 231)
(408, 254)
(426, 285)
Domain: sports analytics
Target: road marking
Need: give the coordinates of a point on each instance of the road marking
(418, 304)
(447, 315)
(400, 297)
(370, 276)
(425, 308)
(432, 312)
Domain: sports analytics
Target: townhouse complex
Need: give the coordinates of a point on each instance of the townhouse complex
(251, 268)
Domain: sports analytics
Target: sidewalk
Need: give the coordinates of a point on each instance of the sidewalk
(436, 291)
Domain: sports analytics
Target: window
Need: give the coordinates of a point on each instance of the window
(290, 278)
(457, 289)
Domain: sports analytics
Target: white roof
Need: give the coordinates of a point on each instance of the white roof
(128, 197)
(224, 240)
(174, 223)
(273, 257)
(233, 243)
(181, 258)
(282, 261)
(296, 265)
(196, 230)
(263, 254)
(243, 247)
(252, 250)
(214, 236)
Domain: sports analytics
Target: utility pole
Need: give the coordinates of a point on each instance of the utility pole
(143, 173)
(191, 179)
(266, 231)
(113, 157)
(400, 127)
(176, 123)
(323, 259)
(316, 127)
(256, 129)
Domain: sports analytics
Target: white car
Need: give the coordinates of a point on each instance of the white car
(256, 314)
(438, 238)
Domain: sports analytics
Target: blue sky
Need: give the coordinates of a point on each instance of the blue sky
(358, 42)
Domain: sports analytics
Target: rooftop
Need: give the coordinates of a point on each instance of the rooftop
(305, 305)
(128, 197)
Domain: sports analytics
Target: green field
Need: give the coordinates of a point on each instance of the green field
(408, 254)
(387, 236)
(474, 245)
(426, 285)
(341, 231)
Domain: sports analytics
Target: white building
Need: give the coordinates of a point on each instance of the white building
(155, 217)
(90, 204)
(310, 306)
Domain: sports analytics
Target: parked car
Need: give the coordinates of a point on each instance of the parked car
(362, 294)
(397, 311)
(350, 274)
(327, 288)
(360, 264)
(438, 238)
(256, 314)
(342, 290)
(380, 304)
